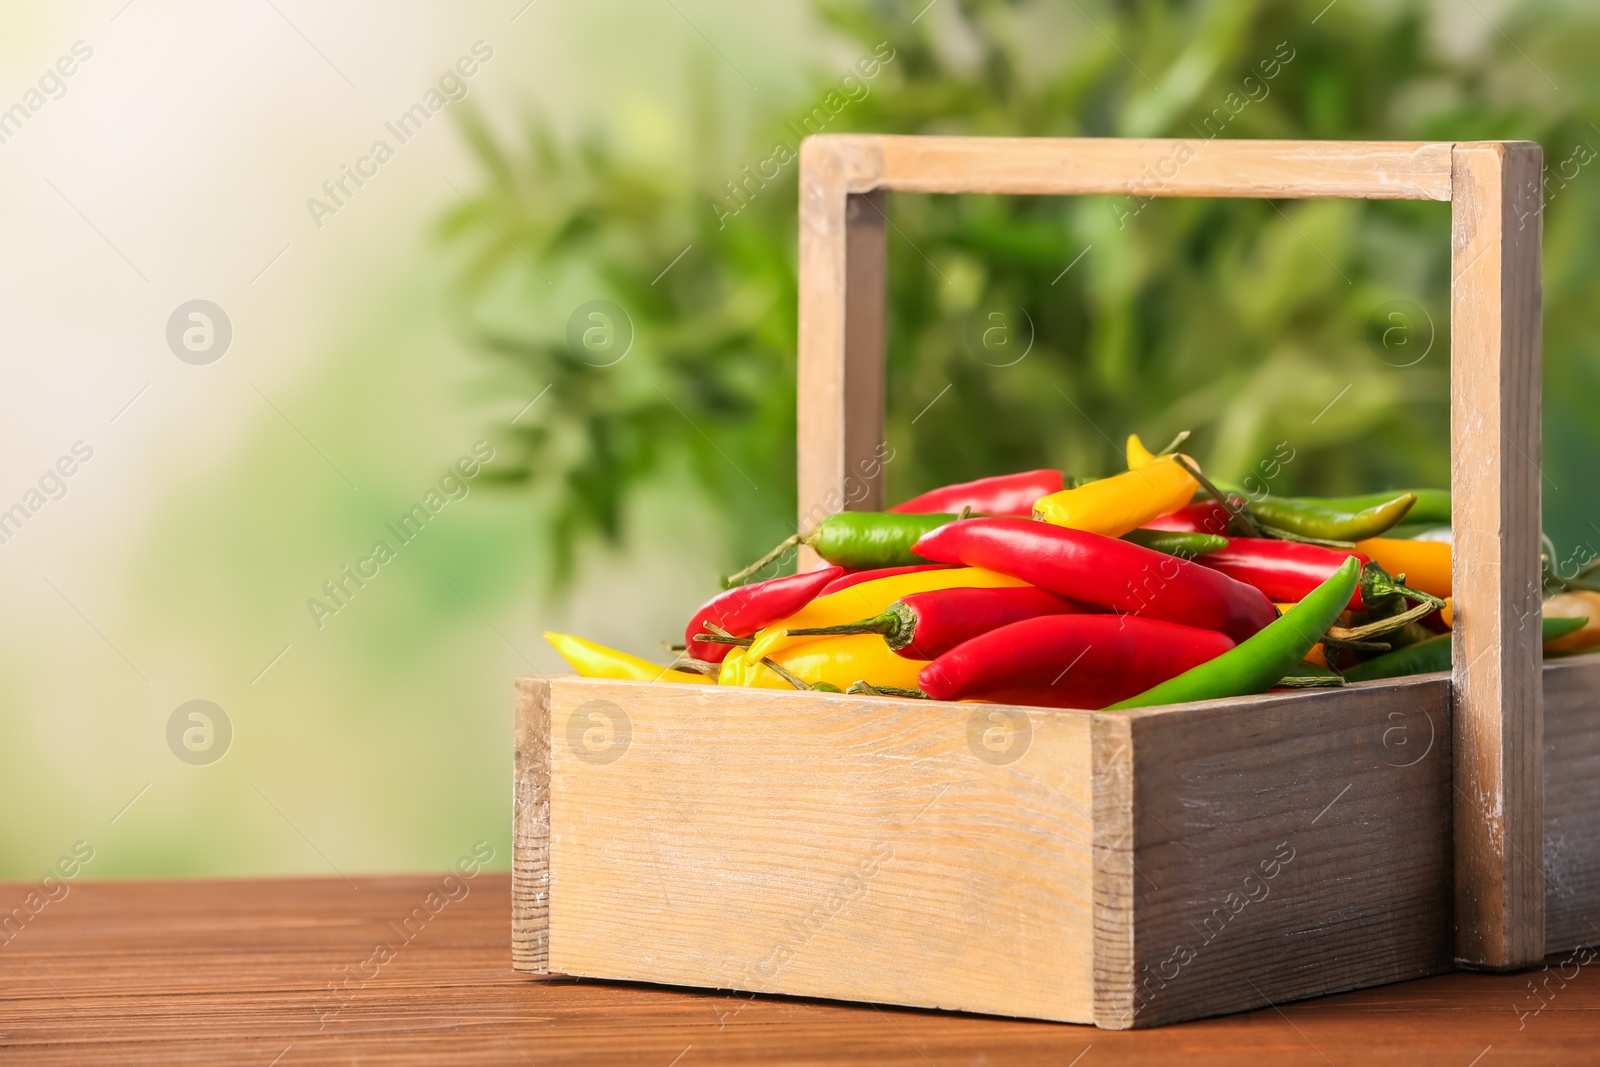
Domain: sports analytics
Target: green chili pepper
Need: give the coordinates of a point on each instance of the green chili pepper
(1310, 518)
(859, 540)
(1433, 654)
(1432, 506)
(1260, 662)
(1177, 543)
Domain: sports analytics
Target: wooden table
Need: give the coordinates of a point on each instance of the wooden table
(243, 972)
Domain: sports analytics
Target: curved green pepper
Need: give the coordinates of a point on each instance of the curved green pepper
(859, 540)
(1432, 506)
(1260, 662)
(1433, 654)
(1312, 518)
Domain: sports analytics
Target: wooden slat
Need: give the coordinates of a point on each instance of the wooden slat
(823, 845)
(530, 827)
(1272, 848)
(1572, 802)
(1495, 480)
(840, 416)
(1369, 170)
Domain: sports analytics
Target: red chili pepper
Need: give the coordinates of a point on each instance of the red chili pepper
(1104, 571)
(1004, 494)
(745, 609)
(1070, 661)
(929, 624)
(1207, 516)
(849, 578)
(1287, 570)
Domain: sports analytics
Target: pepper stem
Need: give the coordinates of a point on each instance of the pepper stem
(724, 639)
(898, 625)
(863, 689)
(1310, 681)
(1172, 445)
(778, 669)
(1381, 626)
(1376, 584)
(1240, 515)
(783, 546)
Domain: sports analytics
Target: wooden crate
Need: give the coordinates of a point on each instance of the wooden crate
(1128, 868)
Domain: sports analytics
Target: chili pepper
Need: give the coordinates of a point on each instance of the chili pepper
(859, 540)
(1432, 506)
(1288, 570)
(1433, 654)
(1425, 564)
(1122, 502)
(849, 578)
(1137, 454)
(1003, 494)
(1260, 662)
(1176, 543)
(871, 598)
(1069, 661)
(1312, 518)
(744, 609)
(597, 661)
(925, 625)
(835, 661)
(1103, 571)
(1304, 518)
(1575, 603)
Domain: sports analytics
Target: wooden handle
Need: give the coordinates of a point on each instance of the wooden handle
(1495, 482)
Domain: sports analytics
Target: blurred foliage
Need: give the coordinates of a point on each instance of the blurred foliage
(1242, 320)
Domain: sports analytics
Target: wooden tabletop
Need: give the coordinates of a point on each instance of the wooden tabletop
(246, 972)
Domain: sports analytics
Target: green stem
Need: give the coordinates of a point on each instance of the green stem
(1239, 515)
(783, 546)
(863, 689)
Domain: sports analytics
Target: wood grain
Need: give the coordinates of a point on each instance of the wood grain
(841, 360)
(530, 827)
(834, 846)
(1572, 802)
(1272, 849)
(151, 974)
(1496, 491)
(1077, 166)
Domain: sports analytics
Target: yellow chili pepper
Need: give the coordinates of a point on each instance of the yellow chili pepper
(1122, 502)
(1575, 604)
(838, 661)
(1138, 455)
(848, 605)
(597, 661)
(1426, 564)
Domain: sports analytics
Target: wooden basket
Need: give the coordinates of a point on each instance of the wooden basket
(1128, 868)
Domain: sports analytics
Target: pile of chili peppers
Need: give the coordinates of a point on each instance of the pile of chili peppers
(1150, 586)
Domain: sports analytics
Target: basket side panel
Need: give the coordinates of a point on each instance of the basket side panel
(891, 851)
(1288, 848)
(1572, 802)
(530, 827)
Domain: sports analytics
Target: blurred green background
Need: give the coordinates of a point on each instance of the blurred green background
(591, 160)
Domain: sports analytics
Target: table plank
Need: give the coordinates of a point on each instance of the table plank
(242, 972)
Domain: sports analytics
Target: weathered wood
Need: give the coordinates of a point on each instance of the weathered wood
(841, 364)
(530, 827)
(1078, 166)
(1572, 802)
(1270, 849)
(1495, 480)
(893, 851)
